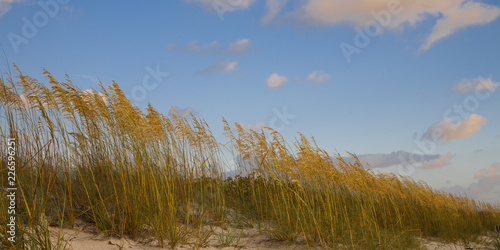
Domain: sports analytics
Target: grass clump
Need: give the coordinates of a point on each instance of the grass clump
(96, 157)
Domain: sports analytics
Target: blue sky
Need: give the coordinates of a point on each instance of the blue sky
(255, 62)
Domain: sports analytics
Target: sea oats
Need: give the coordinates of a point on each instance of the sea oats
(96, 156)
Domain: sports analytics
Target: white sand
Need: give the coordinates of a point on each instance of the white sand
(84, 237)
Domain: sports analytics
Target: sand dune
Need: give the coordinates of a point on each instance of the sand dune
(85, 237)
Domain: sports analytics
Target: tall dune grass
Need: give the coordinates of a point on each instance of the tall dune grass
(95, 156)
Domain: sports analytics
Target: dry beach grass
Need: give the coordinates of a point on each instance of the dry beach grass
(94, 157)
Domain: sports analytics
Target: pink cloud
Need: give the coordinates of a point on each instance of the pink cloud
(493, 172)
(440, 162)
(445, 131)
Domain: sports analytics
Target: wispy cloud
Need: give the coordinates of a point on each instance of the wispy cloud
(256, 126)
(442, 161)
(183, 112)
(318, 76)
(275, 80)
(395, 158)
(445, 131)
(273, 8)
(470, 85)
(232, 5)
(193, 47)
(239, 46)
(91, 78)
(220, 67)
(451, 15)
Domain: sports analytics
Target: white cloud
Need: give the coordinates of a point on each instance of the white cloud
(469, 85)
(273, 8)
(223, 66)
(492, 173)
(461, 15)
(451, 15)
(229, 5)
(239, 46)
(193, 47)
(442, 161)
(256, 126)
(6, 5)
(318, 76)
(275, 80)
(445, 130)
